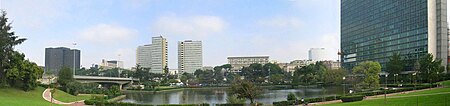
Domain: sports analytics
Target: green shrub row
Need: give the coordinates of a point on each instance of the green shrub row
(352, 98)
(231, 104)
(104, 103)
(307, 100)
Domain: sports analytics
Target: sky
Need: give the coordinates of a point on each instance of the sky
(113, 29)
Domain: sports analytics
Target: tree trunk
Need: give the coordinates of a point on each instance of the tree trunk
(251, 101)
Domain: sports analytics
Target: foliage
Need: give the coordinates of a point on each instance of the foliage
(65, 76)
(370, 71)
(232, 104)
(233, 99)
(334, 77)
(395, 64)
(291, 96)
(352, 98)
(245, 89)
(23, 73)
(310, 74)
(276, 78)
(429, 68)
(8, 41)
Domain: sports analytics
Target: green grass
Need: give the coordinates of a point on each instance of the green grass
(17, 97)
(422, 98)
(65, 97)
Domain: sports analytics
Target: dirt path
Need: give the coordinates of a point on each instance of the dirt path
(47, 96)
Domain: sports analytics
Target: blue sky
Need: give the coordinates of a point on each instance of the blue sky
(103, 29)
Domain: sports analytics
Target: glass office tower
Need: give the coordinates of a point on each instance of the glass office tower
(372, 30)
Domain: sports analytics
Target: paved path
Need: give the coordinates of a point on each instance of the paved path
(47, 96)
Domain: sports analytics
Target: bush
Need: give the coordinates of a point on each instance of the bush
(352, 98)
(231, 104)
(204, 104)
(285, 103)
(291, 96)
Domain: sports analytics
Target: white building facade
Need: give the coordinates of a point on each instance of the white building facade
(144, 56)
(190, 56)
(159, 54)
(317, 54)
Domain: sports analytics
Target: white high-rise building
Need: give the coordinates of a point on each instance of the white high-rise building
(144, 56)
(317, 54)
(159, 56)
(190, 56)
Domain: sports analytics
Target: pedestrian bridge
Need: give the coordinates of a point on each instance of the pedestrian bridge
(103, 80)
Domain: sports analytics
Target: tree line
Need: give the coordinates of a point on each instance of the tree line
(15, 70)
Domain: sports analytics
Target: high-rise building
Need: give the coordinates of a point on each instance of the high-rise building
(57, 58)
(316, 54)
(144, 56)
(373, 30)
(190, 56)
(238, 62)
(159, 55)
(110, 64)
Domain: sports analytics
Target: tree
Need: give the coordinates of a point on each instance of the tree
(23, 73)
(371, 71)
(291, 96)
(276, 78)
(232, 99)
(65, 76)
(429, 68)
(334, 77)
(244, 89)
(8, 41)
(395, 64)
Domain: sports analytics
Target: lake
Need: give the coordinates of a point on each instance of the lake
(219, 95)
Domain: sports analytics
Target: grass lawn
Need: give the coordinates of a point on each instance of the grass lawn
(422, 98)
(65, 97)
(17, 97)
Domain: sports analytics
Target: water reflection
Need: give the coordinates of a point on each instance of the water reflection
(219, 95)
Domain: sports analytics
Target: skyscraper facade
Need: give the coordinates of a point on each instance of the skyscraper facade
(57, 58)
(144, 56)
(373, 30)
(316, 54)
(190, 56)
(159, 57)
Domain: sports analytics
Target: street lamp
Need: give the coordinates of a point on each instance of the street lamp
(395, 76)
(385, 88)
(343, 85)
(74, 53)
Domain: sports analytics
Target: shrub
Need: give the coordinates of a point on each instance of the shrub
(352, 98)
(231, 104)
(285, 103)
(291, 96)
(204, 104)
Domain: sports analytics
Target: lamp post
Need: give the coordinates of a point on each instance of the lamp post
(343, 85)
(74, 53)
(395, 77)
(385, 88)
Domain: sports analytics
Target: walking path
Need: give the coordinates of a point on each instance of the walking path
(47, 96)
(382, 95)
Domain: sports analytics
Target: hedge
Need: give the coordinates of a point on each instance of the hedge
(204, 104)
(352, 98)
(230, 104)
(285, 103)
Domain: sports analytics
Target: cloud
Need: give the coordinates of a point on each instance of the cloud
(281, 22)
(195, 26)
(107, 33)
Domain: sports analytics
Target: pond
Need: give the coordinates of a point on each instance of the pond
(219, 95)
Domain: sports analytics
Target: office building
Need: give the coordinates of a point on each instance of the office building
(110, 64)
(190, 56)
(57, 58)
(237, 62)
(373, 30)
(144, 56)
(316, 54)
(159, 56)
(298, 64)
